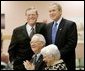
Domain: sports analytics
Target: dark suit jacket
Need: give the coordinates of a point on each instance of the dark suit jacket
(19, 49)
(66, 40)
(40, 64)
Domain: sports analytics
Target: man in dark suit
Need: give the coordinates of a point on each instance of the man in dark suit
(62, 33)
(37, 43)
(19, 48)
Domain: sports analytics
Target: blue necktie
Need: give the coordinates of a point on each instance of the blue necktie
(54, 32)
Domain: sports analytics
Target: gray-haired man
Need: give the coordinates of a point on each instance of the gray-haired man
(37, 43)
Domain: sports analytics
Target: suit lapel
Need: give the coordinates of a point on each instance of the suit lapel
(50, 32)
(37, 28)
(40, 60)
(60, 28)
(25, 31)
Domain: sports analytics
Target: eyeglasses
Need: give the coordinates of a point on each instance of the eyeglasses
(35, 42)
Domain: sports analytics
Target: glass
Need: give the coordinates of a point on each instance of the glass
(34, 42)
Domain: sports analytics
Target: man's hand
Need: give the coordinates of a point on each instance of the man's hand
(28, 65)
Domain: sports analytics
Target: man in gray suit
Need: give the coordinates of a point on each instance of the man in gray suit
(62, 33)
(19, 48)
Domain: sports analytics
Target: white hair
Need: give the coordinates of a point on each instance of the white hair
(51, 50)
(39, 37)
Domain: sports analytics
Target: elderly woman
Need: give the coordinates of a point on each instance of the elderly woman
(51, 56)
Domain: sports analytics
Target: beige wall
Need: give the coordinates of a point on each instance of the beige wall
(14, 15)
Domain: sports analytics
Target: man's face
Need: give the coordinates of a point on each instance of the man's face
(54, 13)
(31, 16)
(36, 45)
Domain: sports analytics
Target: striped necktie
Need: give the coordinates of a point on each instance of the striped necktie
(32, 32)
(35, 59)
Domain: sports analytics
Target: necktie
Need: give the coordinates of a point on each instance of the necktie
(35, 59)
(54, 32)
(32, 32)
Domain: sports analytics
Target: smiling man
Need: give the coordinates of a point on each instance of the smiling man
(37, 43)
(19, 48)
(63, 33)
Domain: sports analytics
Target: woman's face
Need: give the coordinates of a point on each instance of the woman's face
(48, 59)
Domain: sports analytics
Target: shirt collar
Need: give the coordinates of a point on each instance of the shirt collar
(58, 22)
(38, 54)
(29, 27)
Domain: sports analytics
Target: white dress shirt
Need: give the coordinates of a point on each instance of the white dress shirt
(58, 22)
